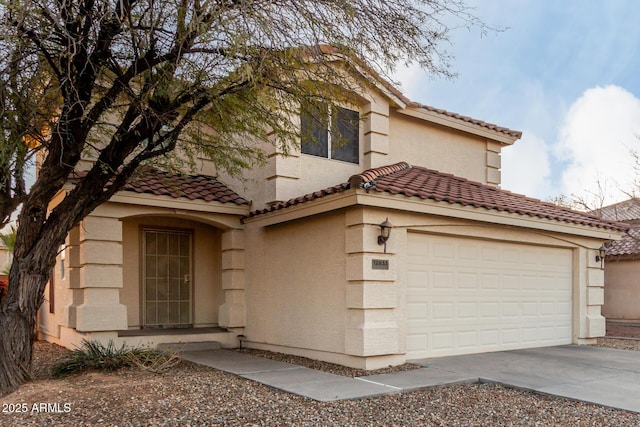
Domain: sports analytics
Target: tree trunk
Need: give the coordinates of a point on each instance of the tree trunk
(16, 335)
(18, 319)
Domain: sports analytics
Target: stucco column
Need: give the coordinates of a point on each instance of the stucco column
(376, 134)
(97, 278)
(597, 326)
(493, 163)
(372, 292)
(72, 282)
(232, 311)
(589, 298)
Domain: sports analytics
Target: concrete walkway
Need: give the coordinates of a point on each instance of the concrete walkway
(603, 376)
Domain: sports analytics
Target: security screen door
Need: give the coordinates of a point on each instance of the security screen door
(167, 292)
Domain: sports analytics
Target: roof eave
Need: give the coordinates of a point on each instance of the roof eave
(400, 202)
(306, 209)
(456, 210)
(180, 203)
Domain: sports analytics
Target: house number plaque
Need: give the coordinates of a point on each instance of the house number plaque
(380, 264)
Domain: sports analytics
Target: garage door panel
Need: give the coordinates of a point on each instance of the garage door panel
(489, 281)
(442, 311)
(467, 339)
(489, 338)
(443, 251)
(467, 310)
(417, 281)
(416, 343)
(479, 296)
(442, 341)
(416, 310)
(468, 280)
(469, 253)
(511, 310)
(491, 254)
(443, 280)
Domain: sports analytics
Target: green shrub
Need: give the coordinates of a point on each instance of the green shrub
(95, 355)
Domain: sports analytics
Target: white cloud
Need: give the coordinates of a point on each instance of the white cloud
(410, 78)
(526, 168)
(595, 139)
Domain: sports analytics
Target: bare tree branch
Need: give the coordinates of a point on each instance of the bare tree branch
(98, 88)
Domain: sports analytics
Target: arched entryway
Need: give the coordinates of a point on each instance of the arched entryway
(173, 272)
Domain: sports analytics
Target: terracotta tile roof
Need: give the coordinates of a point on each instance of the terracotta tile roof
(192, 187)
(626, 211)
(429, 184)
(626, 248)
(401, 178)
(340, 188)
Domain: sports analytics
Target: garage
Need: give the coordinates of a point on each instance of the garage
(468, 295)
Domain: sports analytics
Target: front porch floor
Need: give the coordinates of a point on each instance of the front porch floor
(152, 332)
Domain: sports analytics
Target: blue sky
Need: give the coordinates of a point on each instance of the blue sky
(567, 74)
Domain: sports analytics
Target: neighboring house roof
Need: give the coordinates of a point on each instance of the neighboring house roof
(628, 247)
(628, 211)
(192, 187)
(415, 181)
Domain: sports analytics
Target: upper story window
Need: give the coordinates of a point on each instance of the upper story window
(331, 132)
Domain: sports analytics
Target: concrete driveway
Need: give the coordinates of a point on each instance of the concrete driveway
(604, 376)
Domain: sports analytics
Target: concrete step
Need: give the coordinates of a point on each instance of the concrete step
(189, 346)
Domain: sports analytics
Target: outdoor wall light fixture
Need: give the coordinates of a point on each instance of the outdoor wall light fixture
(385, 232)
(602, 251)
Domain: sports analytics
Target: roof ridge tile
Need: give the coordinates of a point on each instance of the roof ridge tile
(370, 175)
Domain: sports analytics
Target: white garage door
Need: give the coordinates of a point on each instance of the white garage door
(472, 296)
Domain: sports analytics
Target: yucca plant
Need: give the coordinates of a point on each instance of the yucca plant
(95, 355)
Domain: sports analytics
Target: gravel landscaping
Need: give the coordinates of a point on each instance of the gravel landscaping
(194, 395)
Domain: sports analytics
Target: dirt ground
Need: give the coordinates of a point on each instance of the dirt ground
(195, 395)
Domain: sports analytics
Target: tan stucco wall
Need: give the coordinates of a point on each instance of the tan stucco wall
(436, 147)
(387, 136)
(207, 292)
(311, 289)
(295, 289)
(622, 290)
(285, 176)
(100, 293)
(49, 323)
(250, 184)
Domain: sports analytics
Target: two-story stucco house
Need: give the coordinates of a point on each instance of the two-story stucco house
(293, 260)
